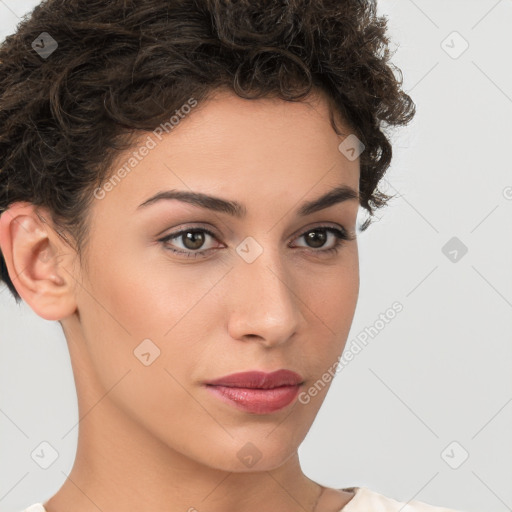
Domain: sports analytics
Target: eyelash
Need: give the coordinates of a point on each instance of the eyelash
(341, 238)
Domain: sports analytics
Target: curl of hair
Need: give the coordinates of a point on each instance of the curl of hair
(122, 66)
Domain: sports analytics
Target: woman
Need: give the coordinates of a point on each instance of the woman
(179, 188)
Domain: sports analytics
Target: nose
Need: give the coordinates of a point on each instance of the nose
(263, 303)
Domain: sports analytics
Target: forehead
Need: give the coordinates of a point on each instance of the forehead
(235, 147)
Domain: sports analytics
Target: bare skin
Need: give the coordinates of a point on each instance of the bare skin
(152, 437)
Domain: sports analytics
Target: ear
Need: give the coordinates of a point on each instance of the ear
(39, 262)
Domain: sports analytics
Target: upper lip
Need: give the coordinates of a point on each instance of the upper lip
(258, 380)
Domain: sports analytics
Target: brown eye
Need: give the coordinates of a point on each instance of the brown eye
(193, 240)
(316, 238)
(190, 242)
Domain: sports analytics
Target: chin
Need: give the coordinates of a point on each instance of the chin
(253, 451)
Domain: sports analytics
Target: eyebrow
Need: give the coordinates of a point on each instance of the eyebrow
(336, 195)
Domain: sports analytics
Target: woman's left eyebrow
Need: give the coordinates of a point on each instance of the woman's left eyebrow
(336, 195)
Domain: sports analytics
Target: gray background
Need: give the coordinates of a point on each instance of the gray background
(431, 387)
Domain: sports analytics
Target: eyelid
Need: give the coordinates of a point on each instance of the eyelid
(341, 234)
(211, 230)
(186, 229)
(190, 227)
(322, 225)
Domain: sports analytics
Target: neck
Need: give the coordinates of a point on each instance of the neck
(120, 465)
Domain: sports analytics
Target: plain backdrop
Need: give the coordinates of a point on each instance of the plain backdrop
(424, 410)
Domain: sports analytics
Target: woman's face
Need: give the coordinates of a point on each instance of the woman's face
(259, 290)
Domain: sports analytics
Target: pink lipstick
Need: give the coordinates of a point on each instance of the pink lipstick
(257, 392)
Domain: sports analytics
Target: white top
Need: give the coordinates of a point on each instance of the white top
(364, 500)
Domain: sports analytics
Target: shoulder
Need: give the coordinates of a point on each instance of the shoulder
(365, 499)
(36, 507)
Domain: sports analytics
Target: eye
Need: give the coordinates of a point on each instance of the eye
(192, 239)
(318, 236)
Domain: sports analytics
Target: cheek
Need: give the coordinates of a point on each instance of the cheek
(182, 311)
(137, 323)
(330, 301)
(332, 291)
(147, 309)
(176, 307)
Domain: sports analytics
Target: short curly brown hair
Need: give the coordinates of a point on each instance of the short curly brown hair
(122, 66)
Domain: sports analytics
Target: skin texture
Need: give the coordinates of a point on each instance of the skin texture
(152, 437)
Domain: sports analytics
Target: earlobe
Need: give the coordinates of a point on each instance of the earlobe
(36, 258)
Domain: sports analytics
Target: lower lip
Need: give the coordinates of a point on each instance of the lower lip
(257, 401)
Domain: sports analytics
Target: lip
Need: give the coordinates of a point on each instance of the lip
(258, 380)
(257, 392)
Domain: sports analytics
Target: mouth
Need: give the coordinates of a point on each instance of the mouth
(257, 392)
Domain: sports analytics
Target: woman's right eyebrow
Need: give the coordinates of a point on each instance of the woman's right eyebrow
(337, 195)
